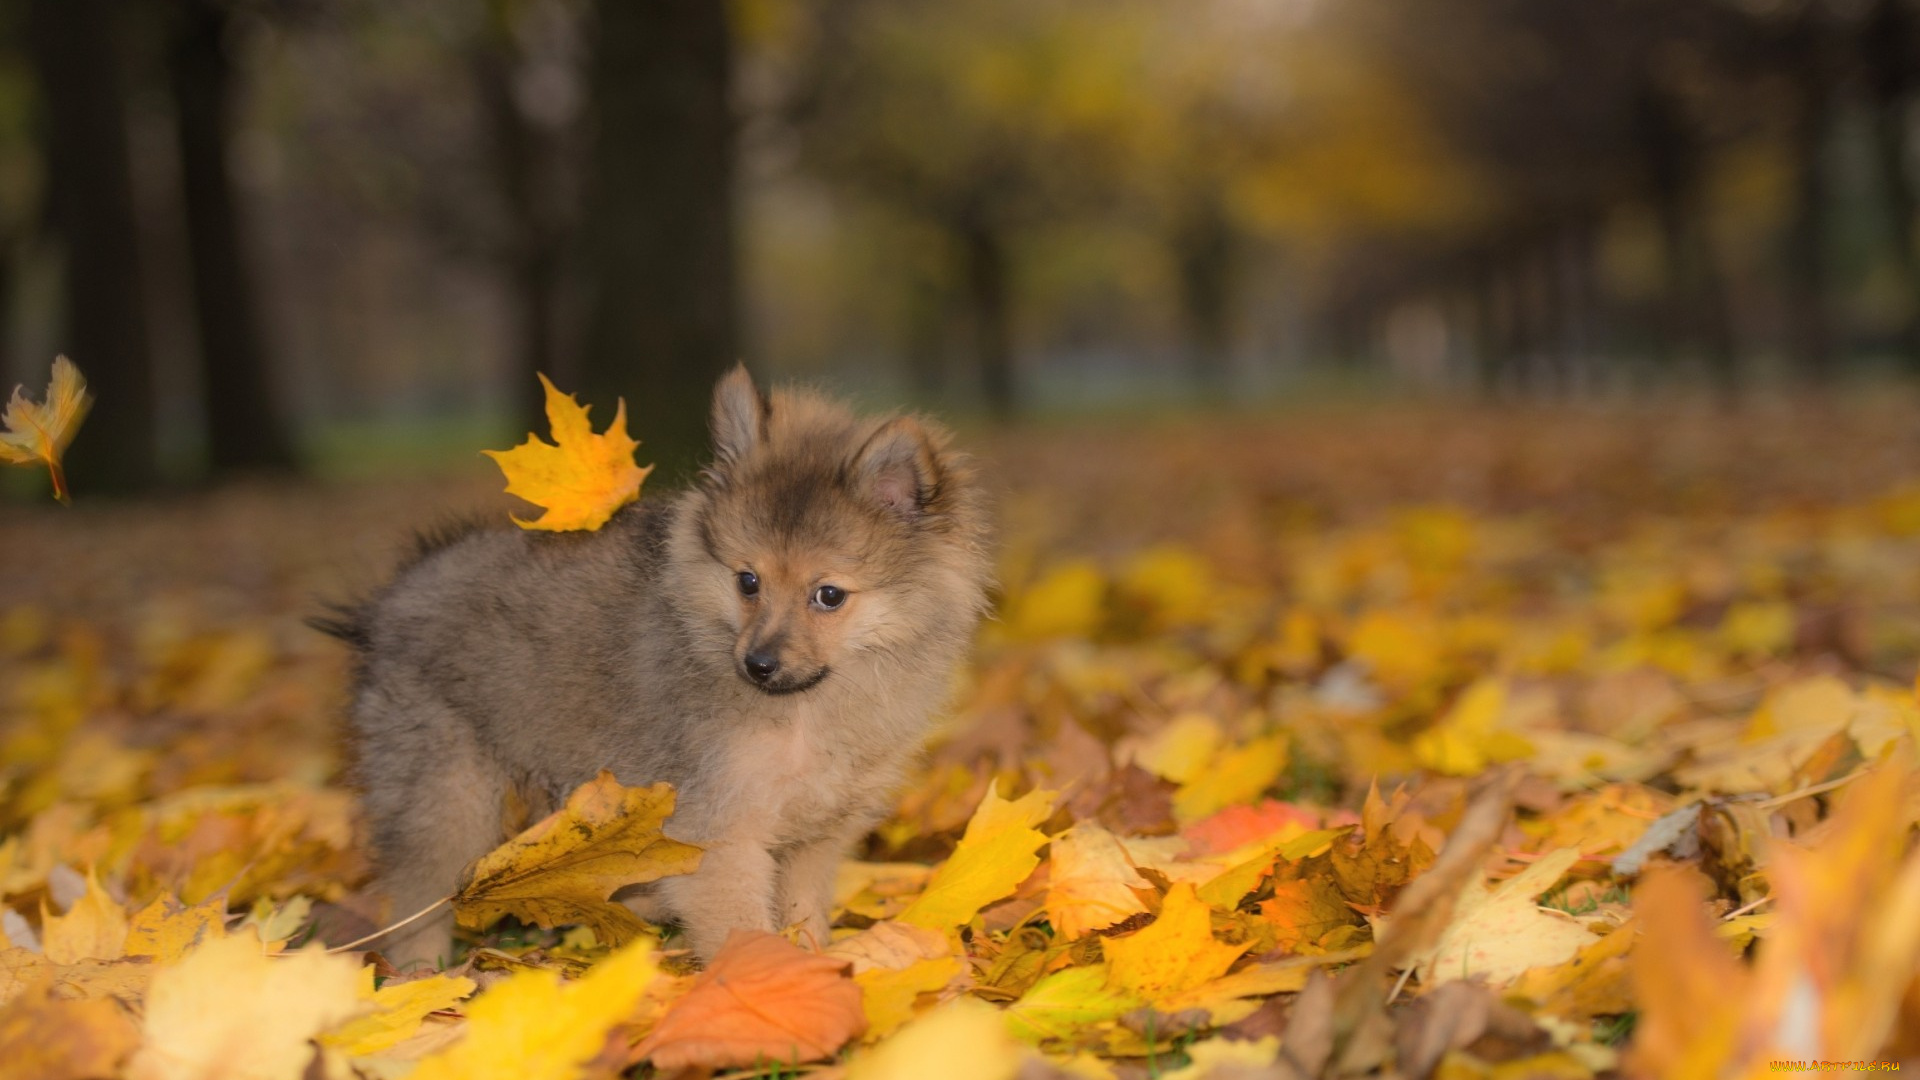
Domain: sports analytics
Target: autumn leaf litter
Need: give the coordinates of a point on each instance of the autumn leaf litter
(1357, 768)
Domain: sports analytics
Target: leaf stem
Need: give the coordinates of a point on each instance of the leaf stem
(383, 932)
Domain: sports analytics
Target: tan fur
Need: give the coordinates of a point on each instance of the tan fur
(509, 661)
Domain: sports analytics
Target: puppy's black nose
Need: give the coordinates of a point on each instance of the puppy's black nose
(761, 666)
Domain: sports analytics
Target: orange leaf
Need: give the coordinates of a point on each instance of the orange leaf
(581, 478)
(1238, 826)
(1689, 986)
(763, 999)
(33, 432)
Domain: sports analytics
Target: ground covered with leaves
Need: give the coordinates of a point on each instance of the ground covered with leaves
(1403, 741)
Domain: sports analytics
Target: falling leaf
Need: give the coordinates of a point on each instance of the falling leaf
(1178, 952)
(46, 1039)
(1091, 884)
(581, 478)
(535, 1026)
(564, 867)
(398, 1009)
(95, 929)
(228, 1010)
(961, 1040)
(762, 999)
(996, 854)
(166, 929)
(38, 432)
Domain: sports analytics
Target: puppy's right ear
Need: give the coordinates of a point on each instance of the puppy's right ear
(739, 417)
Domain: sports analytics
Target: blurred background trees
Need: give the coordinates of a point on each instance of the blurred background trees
(313, 233)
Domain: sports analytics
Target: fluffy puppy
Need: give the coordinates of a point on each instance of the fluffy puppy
(773, 643)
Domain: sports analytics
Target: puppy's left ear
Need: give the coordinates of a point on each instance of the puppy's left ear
(899, 468)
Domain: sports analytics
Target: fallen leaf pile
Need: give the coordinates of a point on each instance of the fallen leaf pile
(1414, 742)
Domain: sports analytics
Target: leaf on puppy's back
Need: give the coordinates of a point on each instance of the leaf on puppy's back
(581, 477)
(564, 867)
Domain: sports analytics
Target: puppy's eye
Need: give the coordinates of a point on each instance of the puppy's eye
(749, 583)
(829, 596)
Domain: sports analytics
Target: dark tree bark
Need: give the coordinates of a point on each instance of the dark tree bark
(1694, 304)
(1888, 47)
(661, 319)
(926, 336)
(90, 192)
(535, 258)
(987, 271)
(1809, 329)
(1203, 253)
(246, 426)
(1489, 336)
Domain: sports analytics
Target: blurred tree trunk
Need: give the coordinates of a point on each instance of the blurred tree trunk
(926, 337)
(246, 427)
(1694, 303)
(1203, 254)
(90, 192)
(1887, 42)
(986, 269)
(1810, 336)
(535, 256)
(660, 325)
(1490, 343)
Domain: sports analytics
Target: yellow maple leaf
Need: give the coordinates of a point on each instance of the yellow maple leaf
(38, 432)
(580, 478)
(399, 1009)
(533, 1026)
(889, 996)
(228, 1009)
(94, 929)
(995, 855)
(166, 929)
(1178, 952)
(563, 868)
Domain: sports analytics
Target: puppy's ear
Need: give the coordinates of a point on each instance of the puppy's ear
(898, 468)
(739, 417)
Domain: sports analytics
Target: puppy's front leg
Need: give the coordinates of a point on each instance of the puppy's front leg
(806, 885)
(732, 890)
